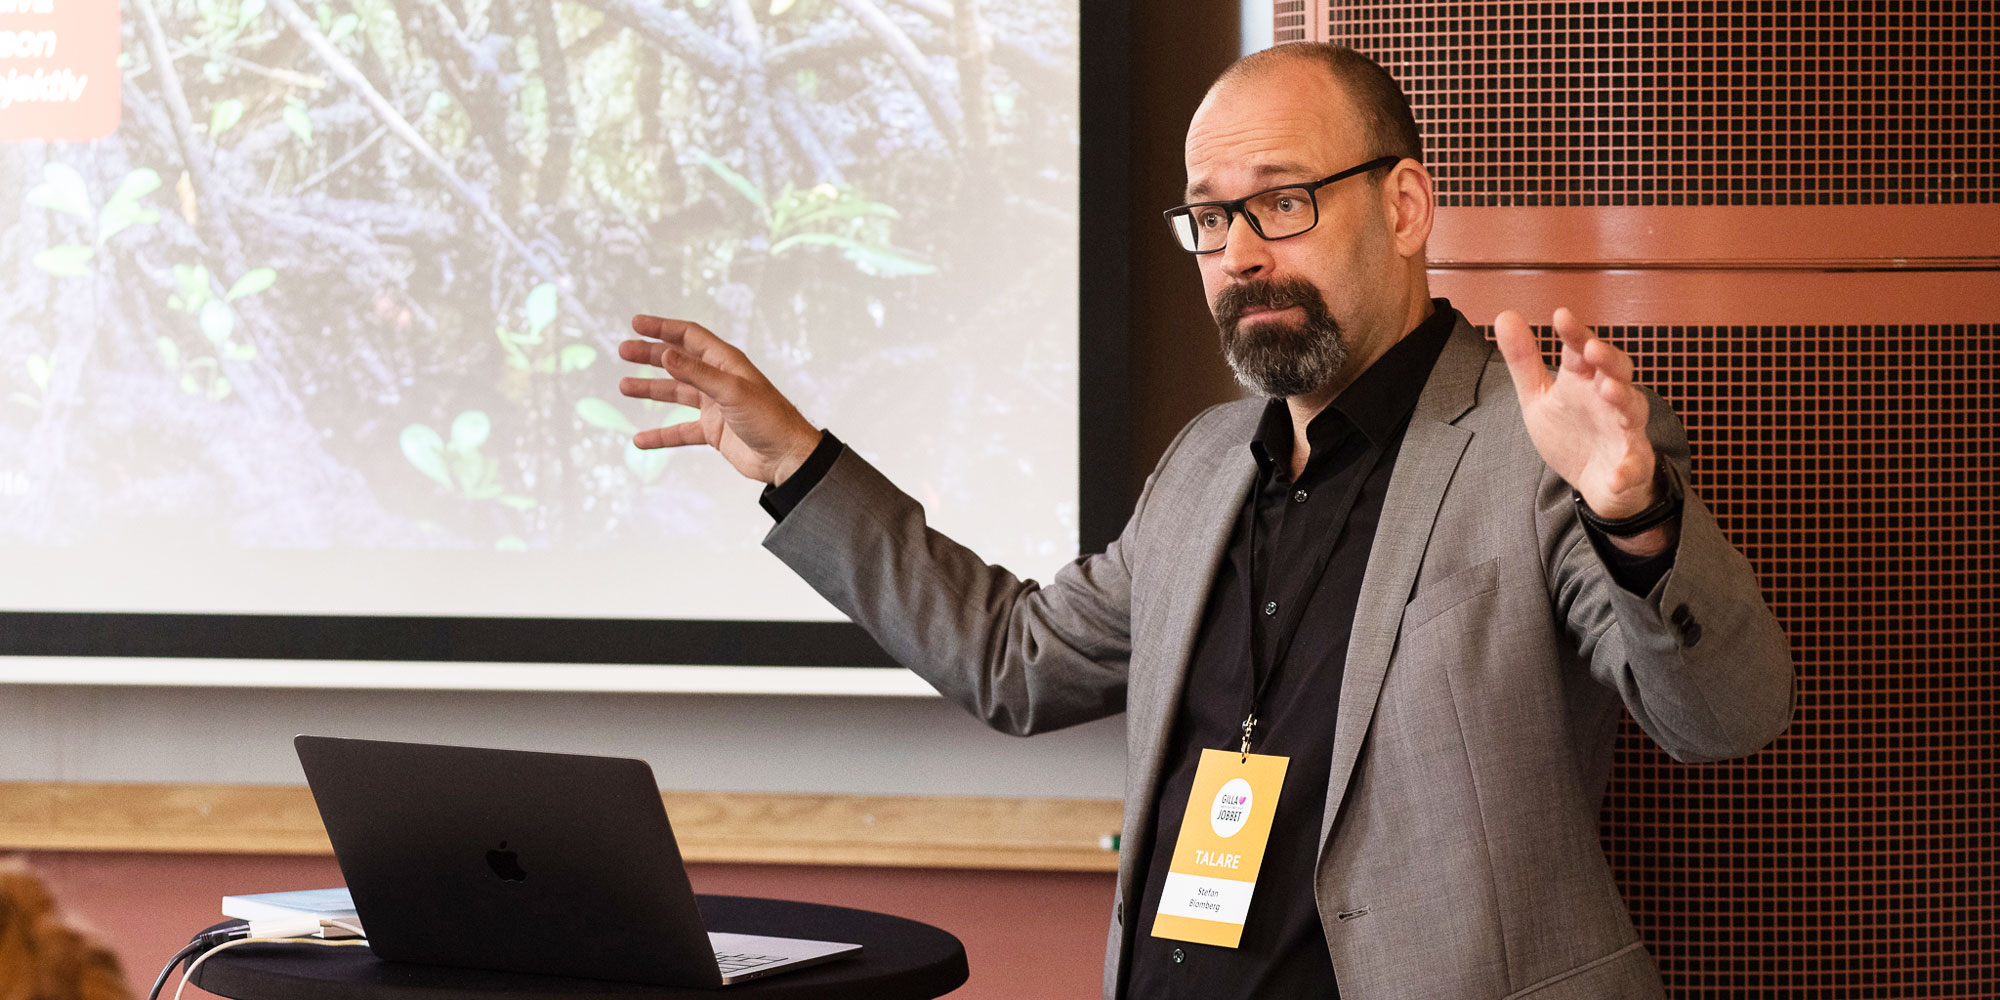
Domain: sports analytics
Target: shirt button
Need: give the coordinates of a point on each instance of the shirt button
(1299, 496)
(1270, 608)
(1179, 956)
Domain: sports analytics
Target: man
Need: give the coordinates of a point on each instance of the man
(1413, 588)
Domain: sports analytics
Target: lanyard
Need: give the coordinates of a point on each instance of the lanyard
(1260, 673)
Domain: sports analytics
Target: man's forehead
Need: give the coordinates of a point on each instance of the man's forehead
(1260, 174)
(1284, 124)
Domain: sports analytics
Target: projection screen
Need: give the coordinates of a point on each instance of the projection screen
(308, 337)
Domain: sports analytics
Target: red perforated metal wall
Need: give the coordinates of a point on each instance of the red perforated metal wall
(1786, 212)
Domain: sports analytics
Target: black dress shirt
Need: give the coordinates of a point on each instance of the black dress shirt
(1354, 443)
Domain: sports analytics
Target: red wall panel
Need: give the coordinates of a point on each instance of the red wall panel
(1787, 213)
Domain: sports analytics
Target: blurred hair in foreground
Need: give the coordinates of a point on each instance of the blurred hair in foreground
(42, 957)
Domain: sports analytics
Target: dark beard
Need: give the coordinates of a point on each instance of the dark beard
(1280, 359)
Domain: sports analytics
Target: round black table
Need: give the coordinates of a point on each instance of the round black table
(899, 959)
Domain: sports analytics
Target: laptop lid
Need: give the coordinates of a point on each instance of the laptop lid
(559, 864)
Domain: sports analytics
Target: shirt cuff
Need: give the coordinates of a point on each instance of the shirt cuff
(779, 500)
(1635, 573)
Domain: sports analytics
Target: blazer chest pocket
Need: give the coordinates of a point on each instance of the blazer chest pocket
(1434, 599)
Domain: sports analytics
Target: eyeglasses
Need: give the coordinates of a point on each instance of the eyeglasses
(1275, 213)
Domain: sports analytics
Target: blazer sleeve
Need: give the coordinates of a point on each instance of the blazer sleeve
(1023, 657)
(1700, 662)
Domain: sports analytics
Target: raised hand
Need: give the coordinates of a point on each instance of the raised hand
(1588, 420)
(743, 416)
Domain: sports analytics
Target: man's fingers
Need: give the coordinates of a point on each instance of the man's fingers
(1608, 359)
(687, 335)
(713, 382)
(672, 331)
(665, 390)
(1576, 339)
(1524, 356)
(1627, 400)
(675, 436)
(644, 352)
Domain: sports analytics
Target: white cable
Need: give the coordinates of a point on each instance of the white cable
(226, 945)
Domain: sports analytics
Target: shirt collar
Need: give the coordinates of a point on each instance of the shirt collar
(1375, 403)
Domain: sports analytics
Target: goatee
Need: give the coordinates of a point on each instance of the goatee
(1280, 358)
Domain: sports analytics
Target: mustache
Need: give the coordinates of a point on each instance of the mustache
(1234, 300)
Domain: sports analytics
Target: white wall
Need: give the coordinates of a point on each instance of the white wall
(1257, 27)
(833, 745)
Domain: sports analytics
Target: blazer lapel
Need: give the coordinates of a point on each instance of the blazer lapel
(1429, 456)
(1167, 637)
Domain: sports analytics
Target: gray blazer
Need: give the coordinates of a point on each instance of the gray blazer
(1491, 657)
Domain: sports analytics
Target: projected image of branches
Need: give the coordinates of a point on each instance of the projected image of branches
(351, 272)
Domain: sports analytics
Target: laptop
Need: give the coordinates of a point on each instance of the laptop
(550, 863)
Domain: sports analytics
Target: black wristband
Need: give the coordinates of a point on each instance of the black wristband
(778, 501)
(1664, 508)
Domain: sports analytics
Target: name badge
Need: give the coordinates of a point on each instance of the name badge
(1221, 847)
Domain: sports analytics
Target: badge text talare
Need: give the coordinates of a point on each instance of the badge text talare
(1213, 875)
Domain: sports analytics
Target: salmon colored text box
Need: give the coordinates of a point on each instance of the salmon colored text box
(58, 69)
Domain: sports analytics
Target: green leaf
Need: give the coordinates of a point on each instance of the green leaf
(678, 414)
(467, 468)
(470, 430)
(189, 385)
(224, 116)
(425, 450)
(879, 262)
(516, 501)
(480, 477)
(849, 207)
(218, 321)
(510, 544)
(62, 190)
(1004, 102)
(647, 463)
(39, 371)
(882, 263)
(219, 389)
(343, 26)
(735, 180)
(170, 352)
(577, 357)
(296, 118)
(194, 286)
(251, 8)
(239, 352)
(69, 260)
(325, 14)
(118, 215)
(542, 306)
(136, 185)
(599, 413)
(251, 283)
(780, 6)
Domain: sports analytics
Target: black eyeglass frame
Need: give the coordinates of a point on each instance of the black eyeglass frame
(1240, 206)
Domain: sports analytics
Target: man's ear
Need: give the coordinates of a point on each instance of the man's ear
(1410, 204)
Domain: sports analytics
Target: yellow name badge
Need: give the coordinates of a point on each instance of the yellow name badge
(1221, 847)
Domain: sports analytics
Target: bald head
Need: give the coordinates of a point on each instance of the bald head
(1303, 310)
(1375, 101)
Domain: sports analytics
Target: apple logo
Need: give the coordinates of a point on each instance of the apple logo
(506, 864)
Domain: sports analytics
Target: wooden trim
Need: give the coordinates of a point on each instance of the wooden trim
(1611, 236)
(896, 831)
(1726, 298)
